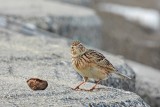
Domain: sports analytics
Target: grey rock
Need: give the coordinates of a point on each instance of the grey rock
(62, 95)
(3, 22)
(29, 29)
(67, 20)
(23, 57)
(77, 2)
(147, 83)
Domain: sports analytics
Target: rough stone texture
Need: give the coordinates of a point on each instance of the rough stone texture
(22, 57)
(147, 83)
(59, 94)
(77, 2)
(64, 19)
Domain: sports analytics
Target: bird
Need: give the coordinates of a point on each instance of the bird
(91, 64)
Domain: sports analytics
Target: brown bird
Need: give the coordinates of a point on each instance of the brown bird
(91, 64)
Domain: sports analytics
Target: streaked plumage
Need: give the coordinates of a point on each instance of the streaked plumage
(90, 63)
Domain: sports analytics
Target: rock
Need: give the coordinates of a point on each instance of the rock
(59, 94)
(3, 22)
(77, 2)
(37, 84)
(29, 29)
(147, 83)
(22, 57)
(67, 20)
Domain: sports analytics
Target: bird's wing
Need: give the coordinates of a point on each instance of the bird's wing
(100, 60)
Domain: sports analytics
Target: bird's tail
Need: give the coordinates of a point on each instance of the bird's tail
(122, 76)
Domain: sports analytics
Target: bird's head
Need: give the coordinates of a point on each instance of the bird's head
(77, 48)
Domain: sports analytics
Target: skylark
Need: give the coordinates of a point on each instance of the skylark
(91, 64)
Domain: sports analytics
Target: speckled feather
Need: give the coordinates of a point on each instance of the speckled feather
(94, 58)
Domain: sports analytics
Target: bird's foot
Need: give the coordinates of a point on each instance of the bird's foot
(76, 88)
(91, 89)
(80, 89)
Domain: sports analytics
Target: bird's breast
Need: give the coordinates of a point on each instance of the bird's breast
(87, 69)
(80, 63)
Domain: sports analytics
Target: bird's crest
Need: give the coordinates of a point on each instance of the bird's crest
(75, 43)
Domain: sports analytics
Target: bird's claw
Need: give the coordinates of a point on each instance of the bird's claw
(80, 89)
(77, 88)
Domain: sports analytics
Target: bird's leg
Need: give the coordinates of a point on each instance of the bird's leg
(85, 80)
(95, 85)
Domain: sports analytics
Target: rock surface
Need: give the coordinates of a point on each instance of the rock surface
(23, 57)
(61, 18)
(58, 94)
(147, 83)
(77, 2)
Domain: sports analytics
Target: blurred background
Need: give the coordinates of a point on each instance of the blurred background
(129, 28)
